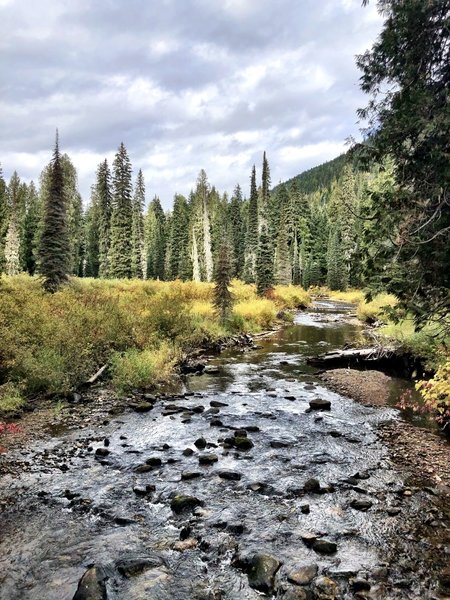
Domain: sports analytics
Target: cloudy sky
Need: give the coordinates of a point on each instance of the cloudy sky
(185, 84)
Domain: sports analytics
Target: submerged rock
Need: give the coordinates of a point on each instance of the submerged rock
(181, 503)
(312, 485)
(230, 475)
(92, 585)
(319, 404)
(303, 575)
(324, 546)
(208, 459)
(325, 589)
(200, 443)
(261, 571)
(362, 505)
(134, 565)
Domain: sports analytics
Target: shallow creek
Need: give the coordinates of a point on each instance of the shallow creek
(63, 520)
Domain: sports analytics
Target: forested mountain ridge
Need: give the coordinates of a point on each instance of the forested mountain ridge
(318, 177)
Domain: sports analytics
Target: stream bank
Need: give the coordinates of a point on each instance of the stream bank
(231, 489)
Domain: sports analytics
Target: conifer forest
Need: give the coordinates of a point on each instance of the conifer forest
(233, 382)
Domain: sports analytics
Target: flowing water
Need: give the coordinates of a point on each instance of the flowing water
(64, 520)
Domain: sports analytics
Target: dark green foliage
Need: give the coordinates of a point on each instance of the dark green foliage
(222, 298)
(138, 265)
(4, 216)
(92, 237)
(264, 264)
(31, 225)
(121, 217)
(179, 264)
(336, 270)
(283, 261)
(103, 193)
(411, 123)
(54, 250)
(155, 240)
(236, 220)
(251, 237)
(319, 177)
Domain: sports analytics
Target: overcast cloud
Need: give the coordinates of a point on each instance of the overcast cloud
(185, 84)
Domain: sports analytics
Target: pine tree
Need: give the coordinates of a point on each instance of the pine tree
(264, 264)
(222, 297)
(296, 272)
(4, 218)
(336, 271)
(32, 218)
(178, 259)
(92, 237)
(122, 216)
(265, 195)
(235, 216)
(251, 237)
(138, 260)
(200, 229)
(155, 240)
(13, 238)
(103, 195)
(283, 269)
(54, 250)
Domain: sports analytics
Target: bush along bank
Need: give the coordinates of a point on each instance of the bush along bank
(52, 343)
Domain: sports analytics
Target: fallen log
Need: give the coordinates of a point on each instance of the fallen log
(94, 377)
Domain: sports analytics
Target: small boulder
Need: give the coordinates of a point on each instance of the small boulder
(200, 443)
(312, 486)
(154, 461)
(230, 475)
(319, 404)
(324, 546)
(141, 407)
(102, 452)
(188, 475)
(217, 404)
(188, 452)
(207, 459)
(92, 585)
(361, 504)
(243, 443)
(262, 569)
(187, 544)
(181, 503)
(303, 575)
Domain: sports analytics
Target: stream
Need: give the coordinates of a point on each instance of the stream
(150, 514)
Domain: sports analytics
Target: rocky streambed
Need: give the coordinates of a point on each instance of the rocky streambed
(255, 480)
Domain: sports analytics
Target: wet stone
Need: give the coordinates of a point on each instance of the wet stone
(362, 505)
(102, 452)
(141, 407)
(312, 485)
(216, 423)
(240, 433)
(143, 469)
(360, 585)
(200, 443)
(296, 594)
(303, 575)
(187, 544)
(188, 452)
(181, 503)
(188, 475)
(208, 459)
(305, 509)
(230, 475)
(92, 585)
(242, 443)
(308, 538)
(217, 404)
(135, 565)
(154, 461)
(280, 443)
(325, 588)
(319, 404)
(393, 511)
(143, 490)
(198, 409)
(324, 546)
(262, 569)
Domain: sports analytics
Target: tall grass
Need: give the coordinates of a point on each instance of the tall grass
(52, 342)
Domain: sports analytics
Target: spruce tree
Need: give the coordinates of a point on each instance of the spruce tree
(179, 265)
(32, 218)
(235, 216)
(13, 240)
(122, 216)
(138, 260)
(265, 195)
(283, 269)
(155, 240)
(4, 218)
(251, 237)
(222, 297)
(54, 250)
(264, 264)
(103, 194)
(336, 271)
(92, 237)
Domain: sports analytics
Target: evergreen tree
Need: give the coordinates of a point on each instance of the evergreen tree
(265, 195)
(200, 229)
(251, 238)
(32, 218)
(155, 240)
(138, 260)
(92, 237)
(235, 216)
(264, 264)
(336, 271)
(283, 269)
(296, 272)
(4, 218)
(14, 232)
(179, 265)
(103, 194)
(121, 217)
(222, 297)
(54, 250)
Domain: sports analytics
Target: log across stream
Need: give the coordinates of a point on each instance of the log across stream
(232, 489)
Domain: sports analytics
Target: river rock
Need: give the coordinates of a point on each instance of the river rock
(217, 404)
(280, 443)
(198, 409)
(102, 452)
(143, 469)
(360, 585)
(312, 485)
(325, 588)
(134, 565)
(143, 490)
(200, 443)
(216, 423)
(319, 404)
(181, 503)
(154, 461)
(444, 580)
(262, 569)
(230, 475)
(242, 443)
(211, 370)
(308, 538)
(324, 546)
(92, 585)
(303, 575)
(188, 452)
(207, 459)
(141, 407)
(296, 594)
(189, 475)
(187, 544)
(240, 433)
(305, 509)
(361, 504)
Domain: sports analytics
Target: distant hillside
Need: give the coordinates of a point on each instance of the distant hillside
(319, 177)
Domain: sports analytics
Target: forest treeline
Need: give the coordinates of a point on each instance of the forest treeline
(279, 237)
